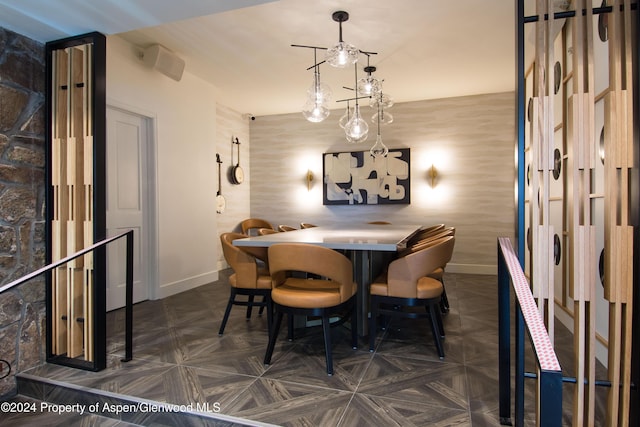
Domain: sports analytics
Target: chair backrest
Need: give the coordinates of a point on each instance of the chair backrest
(379, 222)
(427, 240)
(254, 223)
(265, 231)
(307, 225)
(404, 272)
(424, 232)
(313, 259)
(283, 227)
(242, 261)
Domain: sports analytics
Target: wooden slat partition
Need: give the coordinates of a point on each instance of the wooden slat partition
(596, 198)
(72, 228)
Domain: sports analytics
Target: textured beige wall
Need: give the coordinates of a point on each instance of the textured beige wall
(470, 141)
(231, 124)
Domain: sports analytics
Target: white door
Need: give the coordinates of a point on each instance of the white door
(127, 204)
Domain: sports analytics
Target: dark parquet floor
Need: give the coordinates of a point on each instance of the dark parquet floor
(180, 359)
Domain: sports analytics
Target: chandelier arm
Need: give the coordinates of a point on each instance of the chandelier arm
(309, 47)
(351, 99)
(315, 65)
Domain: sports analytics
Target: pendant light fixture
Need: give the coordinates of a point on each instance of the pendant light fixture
(384, 117)
(369, 85)
(379, 149)
(315, 108)
(356, 129)
(381, 102)
(381, 99)
(342, 54)
(345, 117)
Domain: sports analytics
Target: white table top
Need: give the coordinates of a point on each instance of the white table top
(388, 237)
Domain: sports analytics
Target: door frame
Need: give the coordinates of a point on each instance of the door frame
(150, 216)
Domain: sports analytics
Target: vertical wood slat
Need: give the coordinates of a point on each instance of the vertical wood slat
(613, 369)
(628, 19)
(590, 259)
(75, 343)
(615, 184)
(534, 204)
(72, 168)
(612, 257)
(59, 281)
(89, 338)
(579, 346)
(576, 219)
(88, 241)
(87, 126)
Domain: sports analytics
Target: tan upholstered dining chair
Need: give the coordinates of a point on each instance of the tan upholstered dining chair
(248, 277)
(331, 291)
(283, 227)
(307, 225)
(406, 284)
(250, 224)
(424, 233)
(265, 231)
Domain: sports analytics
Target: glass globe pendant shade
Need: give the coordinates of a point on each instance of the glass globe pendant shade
(368, 86)
(315, 111)
(382, 99)
(342, 122)
(319, 91)
(356, 129)
(379, 149)
(385, 118)
(341, 55)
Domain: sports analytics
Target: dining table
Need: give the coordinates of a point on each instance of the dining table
(369, 246)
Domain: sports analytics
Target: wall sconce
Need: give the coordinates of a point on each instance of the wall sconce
(433, 174)
(309, 179)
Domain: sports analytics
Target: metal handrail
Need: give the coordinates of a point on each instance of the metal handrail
(128, 282)
(527, 314)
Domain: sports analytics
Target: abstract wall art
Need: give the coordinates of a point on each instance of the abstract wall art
(357, 178)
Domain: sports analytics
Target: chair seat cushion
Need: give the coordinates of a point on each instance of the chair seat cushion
(306, 293)
(380, 286)
(428, 287)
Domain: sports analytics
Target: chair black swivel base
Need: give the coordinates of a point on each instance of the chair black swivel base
(325, 314)
(393, 306)
(250, 303)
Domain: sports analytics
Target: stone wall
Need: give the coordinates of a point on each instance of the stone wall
(22, 194)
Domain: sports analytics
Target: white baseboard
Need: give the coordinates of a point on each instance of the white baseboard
(176, 287)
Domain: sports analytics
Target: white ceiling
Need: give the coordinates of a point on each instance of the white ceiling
(425, 49)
